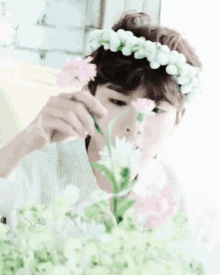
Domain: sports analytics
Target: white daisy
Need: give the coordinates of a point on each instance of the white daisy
(124, 155)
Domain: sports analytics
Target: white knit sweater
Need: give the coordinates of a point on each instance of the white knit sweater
(44, 174)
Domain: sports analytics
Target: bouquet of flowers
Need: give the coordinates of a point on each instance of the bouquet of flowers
(142, 236)
(69, 238)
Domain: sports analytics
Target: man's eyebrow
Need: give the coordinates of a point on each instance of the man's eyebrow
(115, 87)
(120, 90)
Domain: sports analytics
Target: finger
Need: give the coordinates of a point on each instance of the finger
(57, 124)
(92, 104)
(85, 118)
(67, 116)
(70, 95)
(79, 111)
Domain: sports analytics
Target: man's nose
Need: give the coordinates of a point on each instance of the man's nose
(137, 129)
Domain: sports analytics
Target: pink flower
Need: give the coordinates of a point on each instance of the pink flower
(144, 104)
(159, 207)
(76, 72)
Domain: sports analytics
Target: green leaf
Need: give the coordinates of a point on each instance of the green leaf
(123, 205)
(109, 226)
(110, 175)
(126, 174)
(110, 129)
(91, 212)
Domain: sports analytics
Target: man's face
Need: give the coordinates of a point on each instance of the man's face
(157, 128)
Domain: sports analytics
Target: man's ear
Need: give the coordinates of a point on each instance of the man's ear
(179, 116)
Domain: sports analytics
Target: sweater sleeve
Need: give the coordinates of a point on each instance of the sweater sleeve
(11, 193)
(28, 182)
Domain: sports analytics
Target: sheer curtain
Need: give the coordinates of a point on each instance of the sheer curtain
(194, 149)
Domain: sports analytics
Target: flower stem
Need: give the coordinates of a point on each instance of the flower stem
(115, 189)
(98, 128)
(109, 212)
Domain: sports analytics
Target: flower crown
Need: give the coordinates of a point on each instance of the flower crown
(186, 75)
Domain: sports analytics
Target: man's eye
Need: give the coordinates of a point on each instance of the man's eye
(157, 110)
(122, 103)
(118, 102)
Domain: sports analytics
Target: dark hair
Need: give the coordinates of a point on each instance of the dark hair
(131, 73)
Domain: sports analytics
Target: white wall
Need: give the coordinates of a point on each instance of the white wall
(200, 134)
(196, 146)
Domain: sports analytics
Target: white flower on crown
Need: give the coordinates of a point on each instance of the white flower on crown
(122, 35)
(154, 65)
(162, 58)
(192, 71)
(95, 35)
(132, 41)
(173, 57)
(164, 49)
(158, 55)
(172, 69)
(141, 40)
(151, 50)
(193, 94)
(184, 70)
(94, 38)
(152, 56)
(126, 51)
(95, 44)
(181, 60)
(150, 46)
(129, 33)
(129, 44)
(141, 49)
(195, 81)
(106, 46)
(140, 54)
(185, 89)
(182, 80)
(107, 36)
(114, 42)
